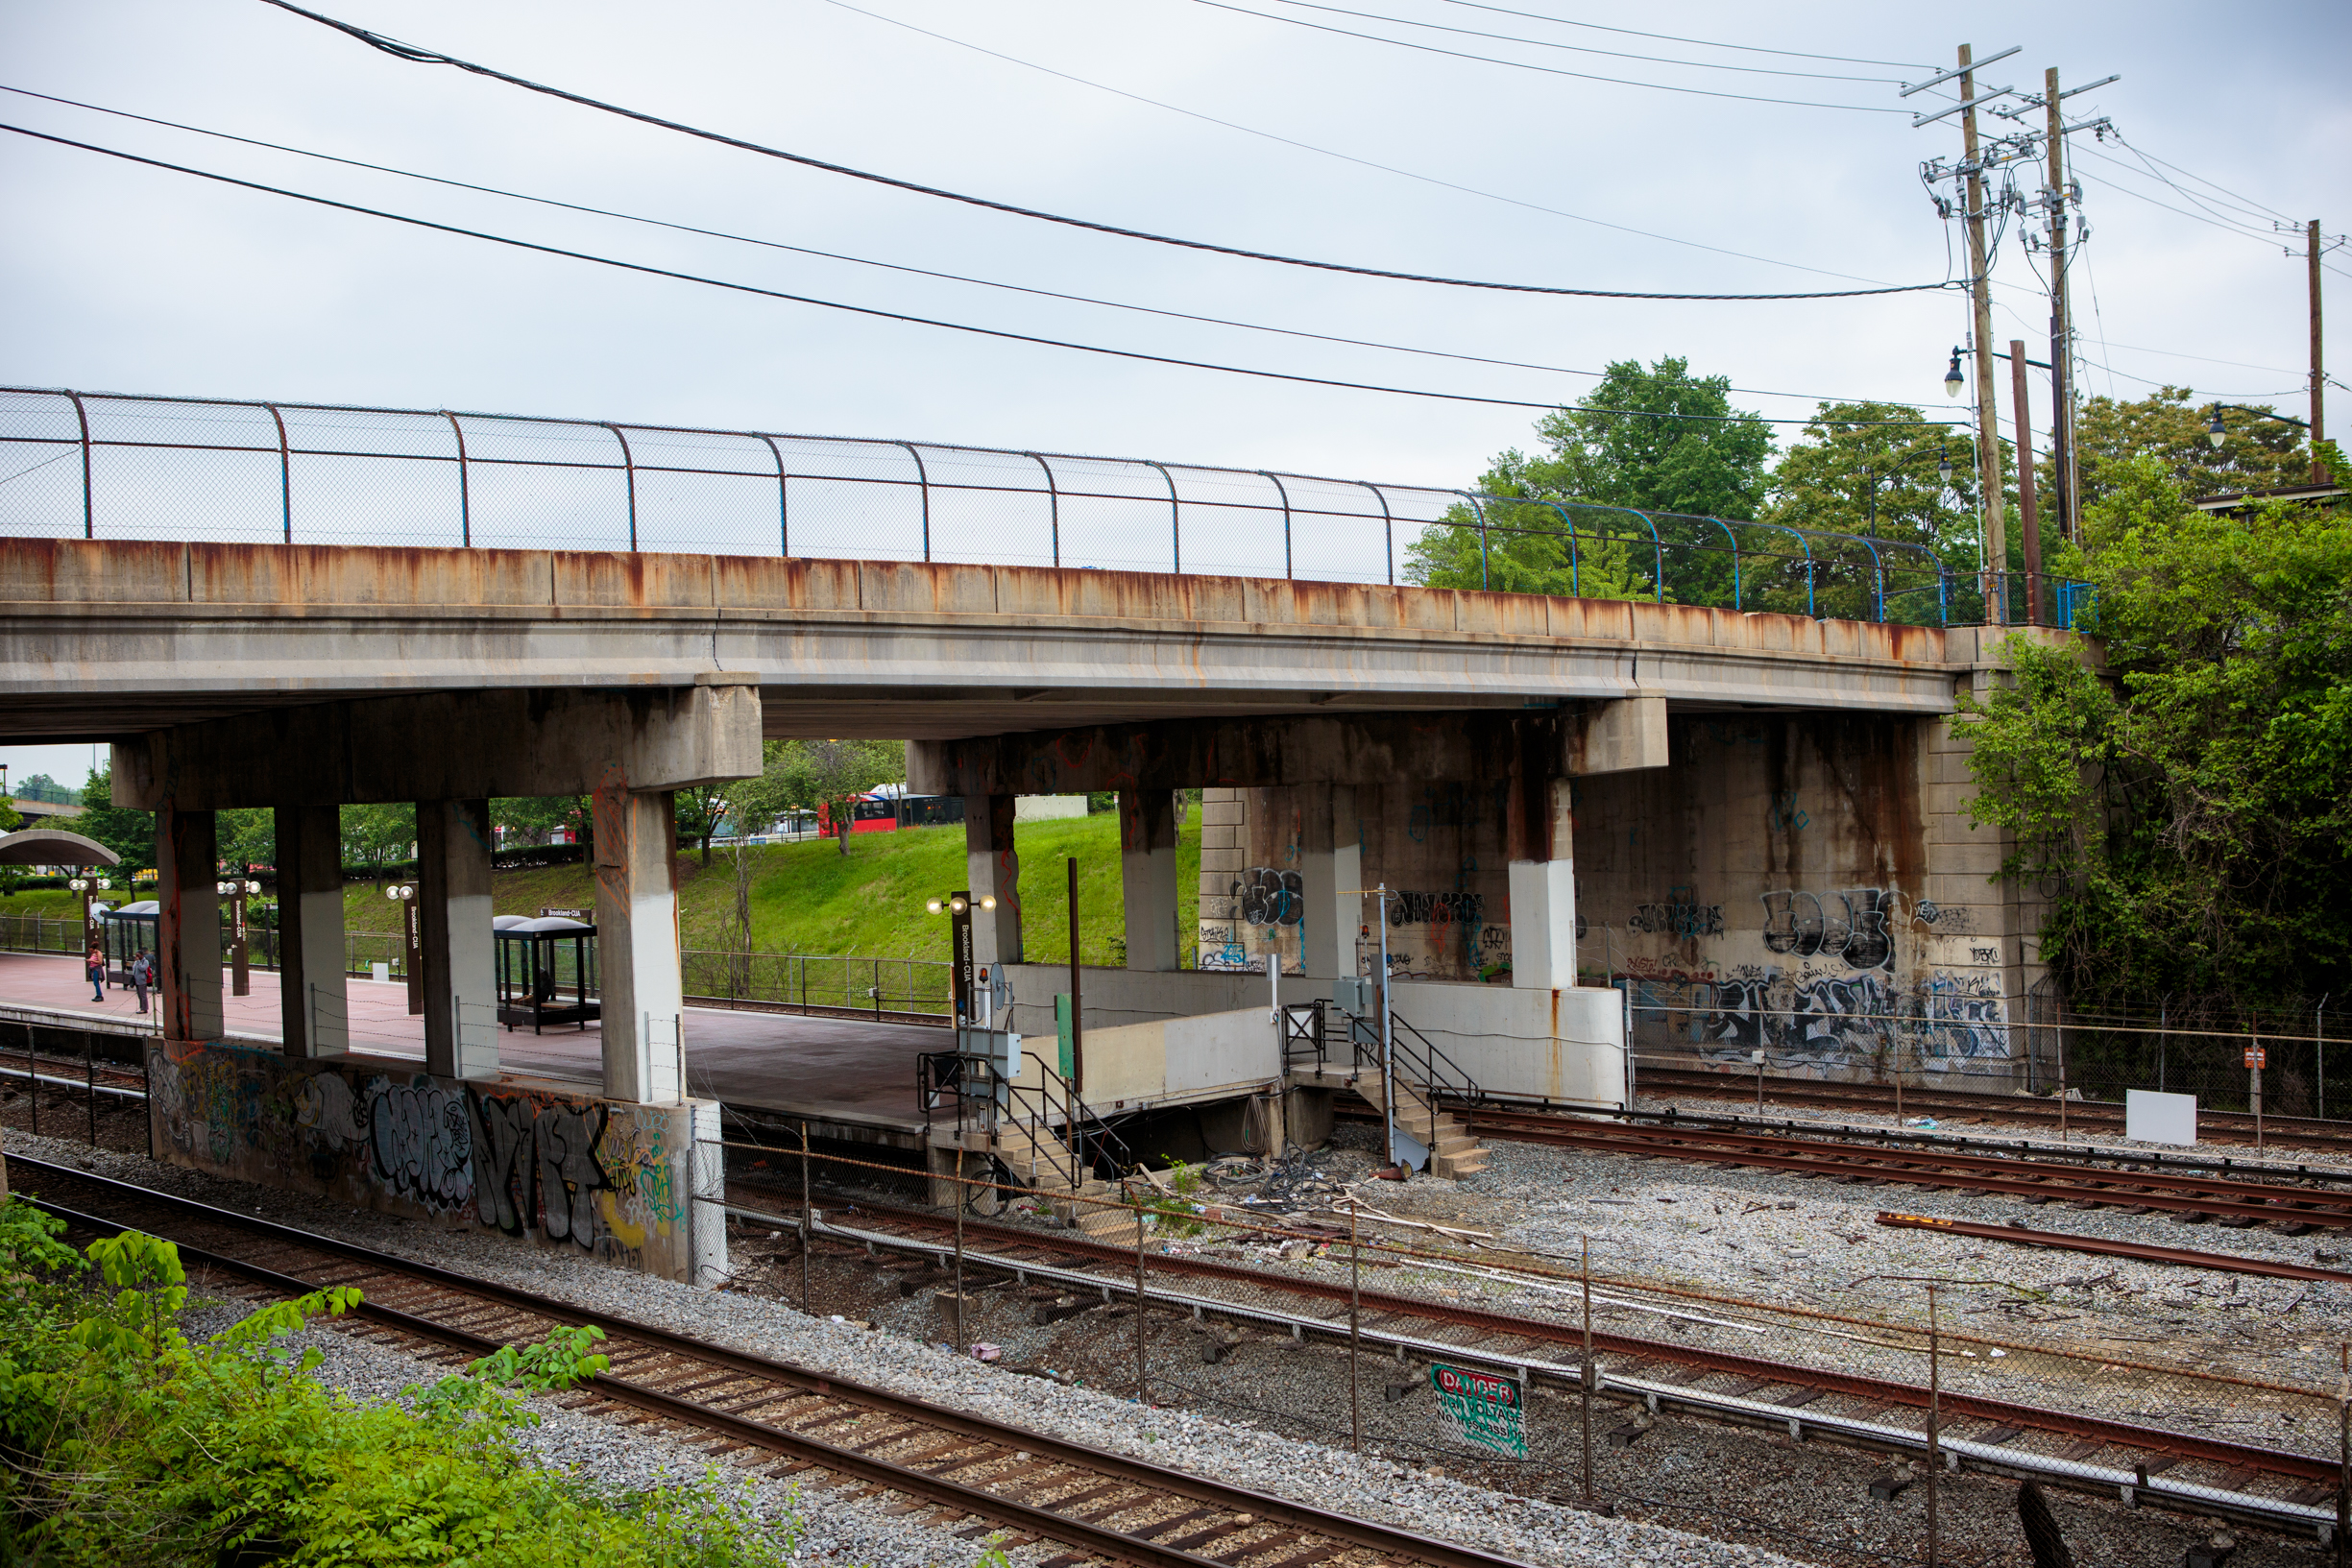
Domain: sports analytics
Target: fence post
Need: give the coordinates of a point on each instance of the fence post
(33, 1080)
(1143, 1381)
(2343, 1454)
(465, 484)
(82, 415)
(1176, 521)
(89, 1073)
(628, 464)
(1935, 1411)
(963, 1198)
(1584, 1375)
(1388, 530)
(285, 473)
(1355, 1304)
(2318, 1045)
(1284, 491)
(808, 1228)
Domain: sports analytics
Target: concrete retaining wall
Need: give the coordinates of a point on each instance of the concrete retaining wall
(557, 1169)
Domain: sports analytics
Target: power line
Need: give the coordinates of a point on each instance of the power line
(1581, 49)
(1520, 64)
(867, 261)
(1346, 158)
(1704, 43)
(426, 57)
(870, 311)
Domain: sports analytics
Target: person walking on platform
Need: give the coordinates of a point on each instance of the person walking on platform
(142, 975)
(96, 969)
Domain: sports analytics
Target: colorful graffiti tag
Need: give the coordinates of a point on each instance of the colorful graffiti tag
(607, 1178)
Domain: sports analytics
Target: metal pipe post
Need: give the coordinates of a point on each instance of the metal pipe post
(963, 1197)
(1143, 1383)
(1078, 1049)
(1355, 1306)
(2343, 1454)
(808, 1230)
(1584, 1374)
(33, 1080)
(89, 1073)
(1935, 1413)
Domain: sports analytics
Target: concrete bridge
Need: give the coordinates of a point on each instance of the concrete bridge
(1772, 855)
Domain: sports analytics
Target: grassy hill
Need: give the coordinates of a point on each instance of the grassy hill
(811, 898)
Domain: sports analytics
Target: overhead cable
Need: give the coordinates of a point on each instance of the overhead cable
(1519, 64)
(867, 261)
(426, 57)
(1333, 153)
(1583, 49)
(1705, 43)
(872, 311)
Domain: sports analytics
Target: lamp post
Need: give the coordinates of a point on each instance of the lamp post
(2215, 431)
(91, 923)
(957, 906)
(236, 890)
(404, 894)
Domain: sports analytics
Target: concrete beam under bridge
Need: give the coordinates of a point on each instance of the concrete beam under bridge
(448, 752)
(1326, 749)
(448, 745)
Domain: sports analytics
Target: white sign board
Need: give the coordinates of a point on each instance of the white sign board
(2152, 1118)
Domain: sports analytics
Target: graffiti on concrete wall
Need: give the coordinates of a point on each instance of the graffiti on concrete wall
(1826, 1018)
(1408, 908)
(605, 1177)
(1681, 917)
(590, 1173)
(1271, 896)
(1854, 925)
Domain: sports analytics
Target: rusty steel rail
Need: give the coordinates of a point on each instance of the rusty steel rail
(2214, 1196)
(1876, 1390)
(1094, 1539)
(2218, 1262)
(2302, 1132)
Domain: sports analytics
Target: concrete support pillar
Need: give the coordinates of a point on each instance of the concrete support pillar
(1222, 858)
(314, 1005)
(992, 869)
(188, 923)
(637, 943)
(458, 950)
(1147, 876)
(1542, 886)
(1331, 870)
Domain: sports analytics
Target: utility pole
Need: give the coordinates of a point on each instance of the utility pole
(1988, 433)
(2066, 491)
(2027, 524)
(2319, 376)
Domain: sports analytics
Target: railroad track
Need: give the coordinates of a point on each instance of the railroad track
(2294, 1206)
(2254, 1485)
(2299, 1132)
(974, 1477)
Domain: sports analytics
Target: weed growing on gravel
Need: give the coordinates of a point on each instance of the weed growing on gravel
(124, 1442)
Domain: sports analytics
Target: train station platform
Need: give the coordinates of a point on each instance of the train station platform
(851, 1080)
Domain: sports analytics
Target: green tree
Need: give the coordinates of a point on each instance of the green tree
(379, 836)
(2189, 811)
(1639, 467)
(127, 833)
(1875, 472)
(247, 836)
(2170, 425)
(831, 773)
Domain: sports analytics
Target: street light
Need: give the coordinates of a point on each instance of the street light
(404, 894)
(236, 889)
(957, 906)
(85, 886)
(1953, 380)
(2214, 431)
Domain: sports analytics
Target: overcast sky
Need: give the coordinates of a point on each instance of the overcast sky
(126, 278)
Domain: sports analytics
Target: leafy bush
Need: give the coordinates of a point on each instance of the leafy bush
(127, 1443)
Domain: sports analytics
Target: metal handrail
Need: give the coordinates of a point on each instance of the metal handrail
(88, 421)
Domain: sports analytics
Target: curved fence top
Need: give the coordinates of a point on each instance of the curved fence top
(107, 466)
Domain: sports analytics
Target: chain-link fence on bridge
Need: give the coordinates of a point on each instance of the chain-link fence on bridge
(103, 465)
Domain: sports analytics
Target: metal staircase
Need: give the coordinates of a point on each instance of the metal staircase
(1042, 1136)
(1411, 1084)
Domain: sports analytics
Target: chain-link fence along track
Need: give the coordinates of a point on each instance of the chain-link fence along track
(1394, 1298)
